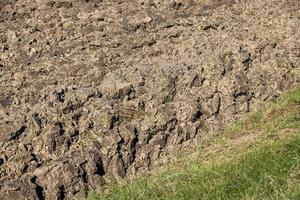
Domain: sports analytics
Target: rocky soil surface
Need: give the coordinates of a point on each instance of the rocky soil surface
(93, 89)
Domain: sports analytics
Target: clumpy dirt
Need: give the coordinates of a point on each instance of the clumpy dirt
(94, 89)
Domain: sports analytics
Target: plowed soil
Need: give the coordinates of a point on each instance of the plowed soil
(95, 89)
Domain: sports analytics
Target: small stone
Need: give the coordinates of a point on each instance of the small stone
(147, 19)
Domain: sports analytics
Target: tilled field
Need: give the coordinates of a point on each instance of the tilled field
(96, 89)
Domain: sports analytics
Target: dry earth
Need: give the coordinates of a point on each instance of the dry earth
(109, 88)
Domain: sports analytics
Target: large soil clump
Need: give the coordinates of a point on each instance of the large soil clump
(94, 89)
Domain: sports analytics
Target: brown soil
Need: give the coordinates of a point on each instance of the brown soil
(96, 89)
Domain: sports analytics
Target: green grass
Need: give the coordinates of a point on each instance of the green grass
(257, 157)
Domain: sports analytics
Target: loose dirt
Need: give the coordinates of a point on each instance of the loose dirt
(96, 89)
